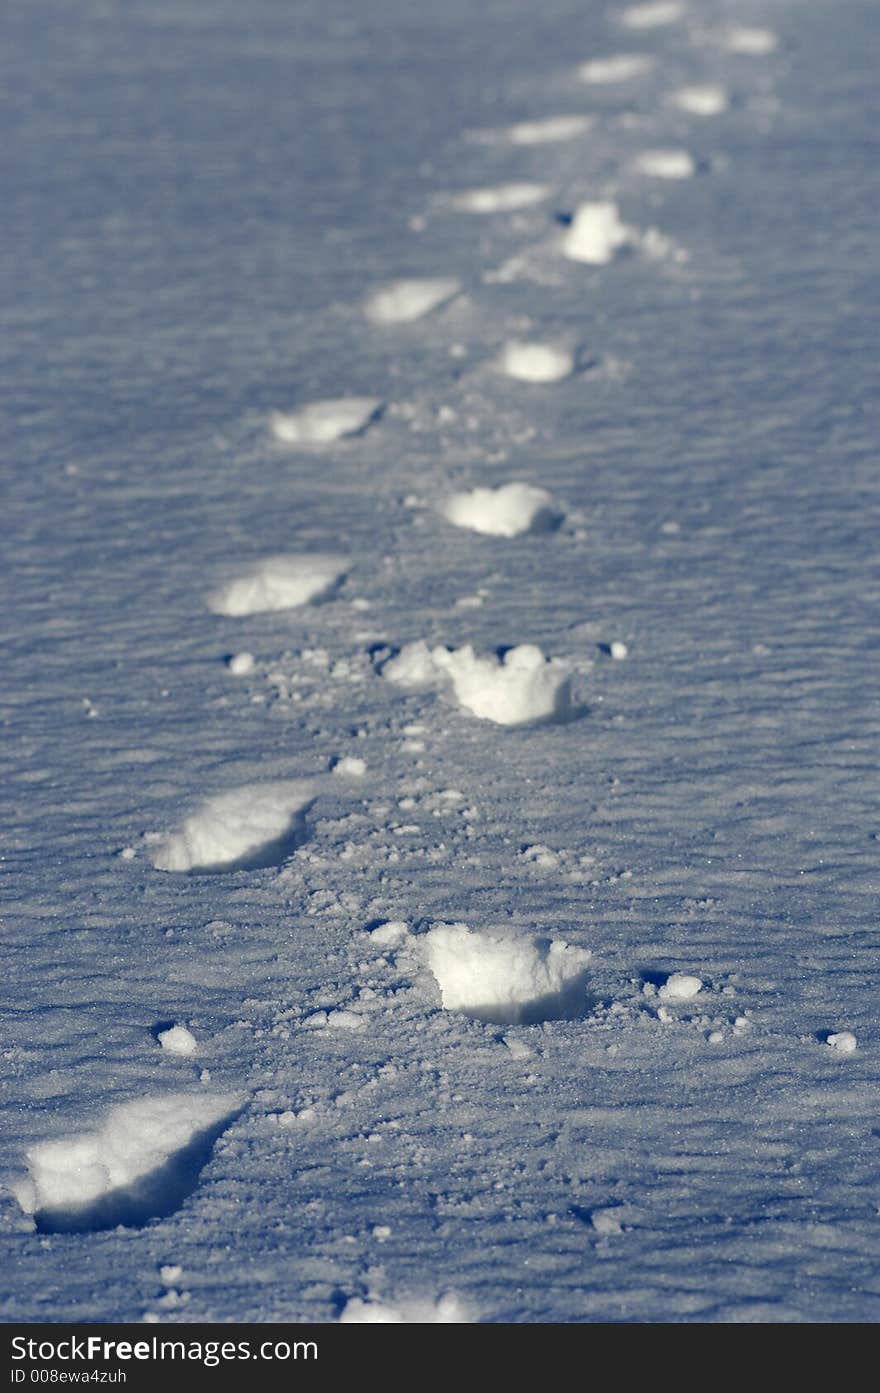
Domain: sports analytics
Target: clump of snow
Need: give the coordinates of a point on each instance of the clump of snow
(843, 1041)
(322, 422)
(178, 1040)
(495, 977)
(502, 198)
(596, 234)
(281, 582)
(708, 100)
(548, 130)
(350, 766)
(618, 650)
(448, 1310)
(391, 933)
(652, 16)
(665, 164)
(240, 664)
(403, 301)
(752, 43)
(138, 1138)
(619, 67)
(535, 362)
(507, 511)
(245, 828)
(521, 688)
(680, 987)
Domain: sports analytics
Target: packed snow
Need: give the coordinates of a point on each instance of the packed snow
(704, 100)
(280, 582)
(539, 363)
(494, 976)
(242, 828)
(322, 422)
(619, 67)
(652, 16)
(507, 511)
(597, 234)
(502, 198)
(520, 688)
(403, 302)
(665, 164)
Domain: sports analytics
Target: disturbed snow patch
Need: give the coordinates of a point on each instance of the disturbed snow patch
(665, 164)
(321, 422)
(708, 100)
(620, 67)
(142, 1163)
(280, 582)
(401, 302)
(245, 829)
(548, 130)
(522, 688)
(494, 977)
(447, 1311)
(508, 511)
(596, 234)
(751, 43)
(535, 362)
(502, 198)
(652, 16)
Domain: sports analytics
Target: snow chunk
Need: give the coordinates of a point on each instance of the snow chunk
(321, 422)
(350, 766)
(492, 976)
(519, 689)
(502, 198)
(652, 16)
(665, 164)
(508, 511)
(389, 934)
(752, 43)
(620, 67)
(596, 234)
(240, 664)
(548, 130)
(281, 582)
(618, 650)
(177, 1040)
(401, 302)
(844, 1042)
(447, 1311)
(245, 828)
(680, 987)
(701, 101)
(138, 1164)
(535, 362)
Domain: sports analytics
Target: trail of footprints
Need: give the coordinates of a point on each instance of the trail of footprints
(146, 1156)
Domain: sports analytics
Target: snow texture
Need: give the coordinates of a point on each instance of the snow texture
(200, 202)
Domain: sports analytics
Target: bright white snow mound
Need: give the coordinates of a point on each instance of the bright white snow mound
(707, 100)
(540, 363)
(522, 688)
(652, 16)
(596, 234)
(447, 1311)
(137, 1139)
(620, 67)
(548, 130)
(508, 511)
(502, 198)
(495, 977)
(751, 43)
(401, 302)
(322, 422)
(243, 829)
(665, 164)
(279, 582)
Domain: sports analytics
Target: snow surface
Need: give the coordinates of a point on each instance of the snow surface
(199, 201)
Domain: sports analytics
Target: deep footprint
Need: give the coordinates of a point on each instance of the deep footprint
(244, 829)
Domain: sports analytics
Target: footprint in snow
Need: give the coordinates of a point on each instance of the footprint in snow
(322, 422)
(618, 67)
(597, 235)
(501, 198)
(494, 976)
(665, 164)
(244, 829)
(278, 583)
(511, 510)
(652, 16)
(404, 301)
(539, 363)
(702, 100)
(546, 130)
(520, 688)
(749, 43)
